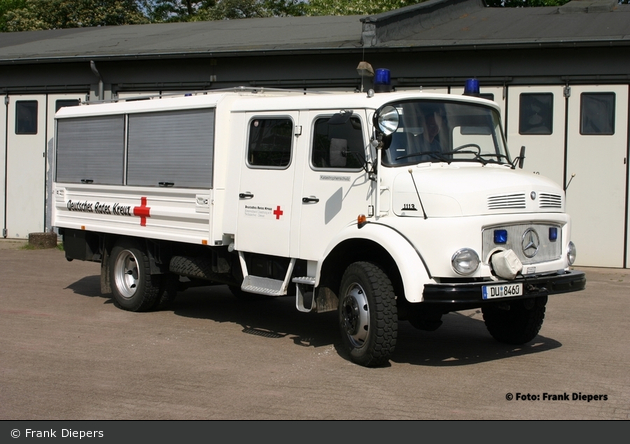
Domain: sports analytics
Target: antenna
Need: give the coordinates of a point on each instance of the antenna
(417, 192)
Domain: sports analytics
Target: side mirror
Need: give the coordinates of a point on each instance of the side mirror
(338, 152)
(340, 118)
(521, 158)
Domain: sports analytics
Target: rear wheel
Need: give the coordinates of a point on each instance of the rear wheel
(516, 323)
(367, 314)
(133, 286)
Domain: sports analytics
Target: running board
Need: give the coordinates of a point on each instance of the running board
(303, 291)
(263, 285)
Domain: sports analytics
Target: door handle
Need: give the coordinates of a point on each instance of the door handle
(310, 199)
(245, 195)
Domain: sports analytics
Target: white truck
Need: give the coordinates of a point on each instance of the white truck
(383, 206)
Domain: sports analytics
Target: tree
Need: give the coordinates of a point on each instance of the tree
(26, 15)
(54, 14)
(233, 9)
(7, 6)
(189, 10)
(351, 7)
(175, 10)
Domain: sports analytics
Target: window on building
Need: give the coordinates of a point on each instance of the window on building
(26, 117)
(597, 114)
(536, 113)
(270, 141)
(338, 145)
(65, 102)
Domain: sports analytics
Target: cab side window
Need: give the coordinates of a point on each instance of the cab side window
(338, 144)
(270, 141)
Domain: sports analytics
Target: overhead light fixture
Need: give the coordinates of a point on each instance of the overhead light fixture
(365, 69)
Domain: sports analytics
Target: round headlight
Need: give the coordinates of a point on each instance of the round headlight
(388, 120)
(571, 252)
(465, 261)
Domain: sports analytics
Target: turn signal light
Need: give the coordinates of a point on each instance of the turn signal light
(361, 220)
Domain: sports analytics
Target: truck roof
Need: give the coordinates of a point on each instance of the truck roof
(250, 99)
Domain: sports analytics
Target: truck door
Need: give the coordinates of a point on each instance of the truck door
(267, 183)
(335, 188)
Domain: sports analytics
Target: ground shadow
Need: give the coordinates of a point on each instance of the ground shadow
(462, 339)
(88, 286)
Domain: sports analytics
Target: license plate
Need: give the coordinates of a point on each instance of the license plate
(501, 291)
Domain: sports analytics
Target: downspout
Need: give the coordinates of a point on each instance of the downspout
(6, 168)
(100, 80)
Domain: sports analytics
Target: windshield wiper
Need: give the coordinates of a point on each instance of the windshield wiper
(498, 158)
(439, 156)
(478, 157)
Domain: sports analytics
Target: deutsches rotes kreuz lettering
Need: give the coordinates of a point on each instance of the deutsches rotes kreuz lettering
(100, 208)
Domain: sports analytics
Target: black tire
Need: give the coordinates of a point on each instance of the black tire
(519, 324)
(133, 286)
(368, 317)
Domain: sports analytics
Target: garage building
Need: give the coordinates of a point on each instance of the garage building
(560, 74)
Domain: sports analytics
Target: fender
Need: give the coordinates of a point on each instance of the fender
(412, 268)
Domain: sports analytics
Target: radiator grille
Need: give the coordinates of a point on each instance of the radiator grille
(548, 200)
(547, 250)
(507, 201)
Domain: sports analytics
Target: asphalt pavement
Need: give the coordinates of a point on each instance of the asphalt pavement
(68, 353)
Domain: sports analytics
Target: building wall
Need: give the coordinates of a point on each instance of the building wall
(593, 166)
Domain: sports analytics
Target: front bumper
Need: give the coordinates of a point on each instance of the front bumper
(470, 294)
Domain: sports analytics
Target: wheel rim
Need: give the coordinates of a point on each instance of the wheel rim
(356, 315)
(126, 274)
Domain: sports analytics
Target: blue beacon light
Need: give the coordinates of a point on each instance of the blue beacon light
(471, 88)
(382, 80)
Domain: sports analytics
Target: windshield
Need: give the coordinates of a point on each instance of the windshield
(442, 131)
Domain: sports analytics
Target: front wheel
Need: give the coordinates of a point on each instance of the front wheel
(517, 323)
(367, 314)
(133, 286)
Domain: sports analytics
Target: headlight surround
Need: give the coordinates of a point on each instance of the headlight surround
(388, 120)
(571, 253)
(465, 261)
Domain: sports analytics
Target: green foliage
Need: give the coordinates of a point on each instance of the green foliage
(7, 6)
(55, 14)
(26, 15)
(189, 10)
(352, 7)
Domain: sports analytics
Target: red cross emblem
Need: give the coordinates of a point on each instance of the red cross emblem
(143, 211)
(278, 212)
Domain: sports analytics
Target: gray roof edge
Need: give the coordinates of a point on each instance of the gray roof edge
(395, 24)
(420, 8)
(585, 6)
